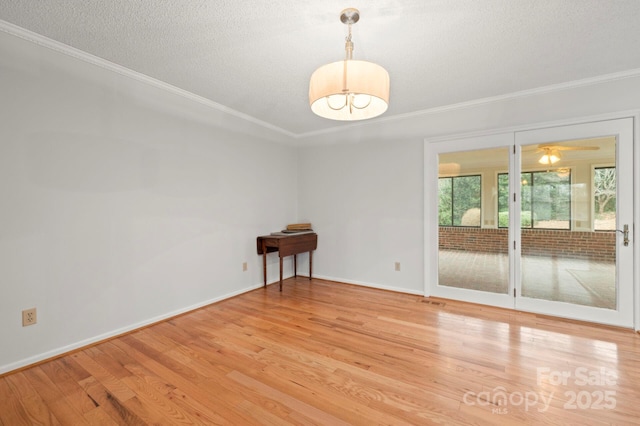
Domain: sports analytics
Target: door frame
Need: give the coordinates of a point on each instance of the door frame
(431, 196)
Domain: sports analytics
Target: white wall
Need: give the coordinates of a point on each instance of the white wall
(365, 202)
(121, 203)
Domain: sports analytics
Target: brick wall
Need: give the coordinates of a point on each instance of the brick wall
(597, 246)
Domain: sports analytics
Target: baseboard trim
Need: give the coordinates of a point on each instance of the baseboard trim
(82, 344)
(368, 284)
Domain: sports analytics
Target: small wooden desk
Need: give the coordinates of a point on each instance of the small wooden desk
(287, 245)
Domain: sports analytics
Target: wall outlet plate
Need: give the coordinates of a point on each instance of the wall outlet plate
(29, 317)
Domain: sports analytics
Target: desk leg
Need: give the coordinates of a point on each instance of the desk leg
(280, 273)
(264, 263)
(295, 265)
(310, 264)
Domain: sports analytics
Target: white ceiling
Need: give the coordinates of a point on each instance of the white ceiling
(256, 57)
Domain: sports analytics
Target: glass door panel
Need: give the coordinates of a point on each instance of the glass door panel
(563, 258)
(571, 262)
(473, 245)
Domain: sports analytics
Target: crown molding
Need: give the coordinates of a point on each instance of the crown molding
(617, 115)
(81, 55)
(483, 101)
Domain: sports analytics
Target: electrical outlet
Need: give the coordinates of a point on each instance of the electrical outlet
(244, 266)
(397, 266)
(29, 317)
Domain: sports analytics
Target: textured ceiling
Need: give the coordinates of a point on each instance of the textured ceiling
(256, 56)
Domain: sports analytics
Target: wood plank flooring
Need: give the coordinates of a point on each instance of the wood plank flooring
(334, 354)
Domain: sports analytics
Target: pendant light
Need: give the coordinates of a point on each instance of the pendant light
(349, 90)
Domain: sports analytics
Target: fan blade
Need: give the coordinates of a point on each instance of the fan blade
(548, 147)
(577, 148)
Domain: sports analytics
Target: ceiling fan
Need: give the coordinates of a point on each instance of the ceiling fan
(551, 153)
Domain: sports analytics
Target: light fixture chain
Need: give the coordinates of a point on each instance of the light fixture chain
(348, 45)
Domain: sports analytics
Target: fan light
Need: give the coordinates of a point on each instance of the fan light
(550, 157)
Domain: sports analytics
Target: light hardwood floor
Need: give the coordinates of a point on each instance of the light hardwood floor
(331, 354)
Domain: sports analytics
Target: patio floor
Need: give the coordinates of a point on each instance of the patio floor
(577, 281)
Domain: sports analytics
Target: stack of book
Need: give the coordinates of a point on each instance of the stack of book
(295, 228)
(298, 227)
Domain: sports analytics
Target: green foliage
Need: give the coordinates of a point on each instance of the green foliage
(456, 196)
(543, 196)
(444, 202)
(525, 219)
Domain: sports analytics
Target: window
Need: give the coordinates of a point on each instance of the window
(459, 201)
(604, 198)
(545, 200)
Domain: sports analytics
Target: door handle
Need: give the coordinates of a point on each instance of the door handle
(625, 234)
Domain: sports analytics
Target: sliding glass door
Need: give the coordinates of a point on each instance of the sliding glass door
(530, 220)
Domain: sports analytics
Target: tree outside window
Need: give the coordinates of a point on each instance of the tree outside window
(545, 200)
(604, 197)
(459, 201)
